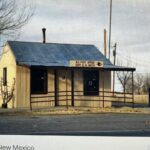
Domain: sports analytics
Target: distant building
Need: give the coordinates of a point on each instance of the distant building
(51, 74)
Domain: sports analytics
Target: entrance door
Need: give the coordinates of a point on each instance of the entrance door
(91, 82)
(64, 87)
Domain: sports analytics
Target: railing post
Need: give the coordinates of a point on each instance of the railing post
(67, 88)
(124, 90)
(124, 94)
(30, 91)
(56, 88)
(103, 87)
(30, 102)
(132, 89)
(149, 97)
(72, 87)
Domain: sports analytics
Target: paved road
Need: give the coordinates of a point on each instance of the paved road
(95, 124)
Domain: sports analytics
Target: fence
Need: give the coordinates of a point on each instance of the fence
(77, 98)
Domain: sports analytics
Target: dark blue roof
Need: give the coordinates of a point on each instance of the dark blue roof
(56, 54)
(52, 54)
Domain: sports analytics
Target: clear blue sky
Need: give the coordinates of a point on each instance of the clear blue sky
(83, 21)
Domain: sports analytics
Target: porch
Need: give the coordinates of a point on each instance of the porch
(71, 92)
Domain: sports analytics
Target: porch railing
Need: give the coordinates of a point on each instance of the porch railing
(65, 98)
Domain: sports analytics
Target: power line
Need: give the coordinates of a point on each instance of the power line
(147, 61)
(144, 64)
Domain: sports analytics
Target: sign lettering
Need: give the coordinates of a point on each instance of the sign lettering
(83, 63)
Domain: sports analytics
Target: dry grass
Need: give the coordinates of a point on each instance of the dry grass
(141, 99)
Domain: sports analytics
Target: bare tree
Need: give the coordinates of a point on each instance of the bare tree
(138, 84)
(146, 85)
(141, 83)
(13, 16)
(124, 78)
(7, 92)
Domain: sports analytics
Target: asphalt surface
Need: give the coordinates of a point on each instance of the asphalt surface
(108, 124)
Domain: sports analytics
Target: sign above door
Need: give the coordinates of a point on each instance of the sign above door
(84, 63)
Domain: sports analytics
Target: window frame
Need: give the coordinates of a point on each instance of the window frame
(5, 76)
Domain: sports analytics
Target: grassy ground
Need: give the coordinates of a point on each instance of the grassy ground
(72, 111)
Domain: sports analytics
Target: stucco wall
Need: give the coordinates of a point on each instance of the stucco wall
(78, 76)
(23, 87)
(8, 60)
(22, 75)
(63, 78)
(50, 93)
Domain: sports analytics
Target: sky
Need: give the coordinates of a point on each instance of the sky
(83, 22)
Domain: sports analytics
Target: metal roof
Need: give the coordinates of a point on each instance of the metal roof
(55, 54)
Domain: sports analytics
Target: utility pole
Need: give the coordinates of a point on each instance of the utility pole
(110, 18)
(114, 55)
(105, 47)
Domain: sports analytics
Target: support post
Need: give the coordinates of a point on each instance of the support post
(114, 54)
(149, 97)
(56, 87)
(72, 87)
(30, 91)
(30, 103)
(124, 91)
(132, 89)
(103, 83)
(66, 88)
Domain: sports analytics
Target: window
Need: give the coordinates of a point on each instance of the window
(91, 82)
(4, 76)
(38, 81)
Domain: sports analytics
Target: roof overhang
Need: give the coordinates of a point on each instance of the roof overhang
(104, 68)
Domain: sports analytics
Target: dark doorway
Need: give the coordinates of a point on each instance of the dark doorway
(91, 82)
(38, 81)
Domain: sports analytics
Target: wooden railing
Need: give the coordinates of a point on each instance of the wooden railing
(65, 98)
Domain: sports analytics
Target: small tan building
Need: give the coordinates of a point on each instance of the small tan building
(53, 74)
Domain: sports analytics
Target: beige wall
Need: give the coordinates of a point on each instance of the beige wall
(50, 89)
(23, 87)
(8, 60)
(63, 78)
(78, 76)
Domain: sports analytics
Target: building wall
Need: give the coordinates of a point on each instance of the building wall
(93, 100)
(22, 96)
(64, 83)
(49, 96)
(23, 87)
(8, 60)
